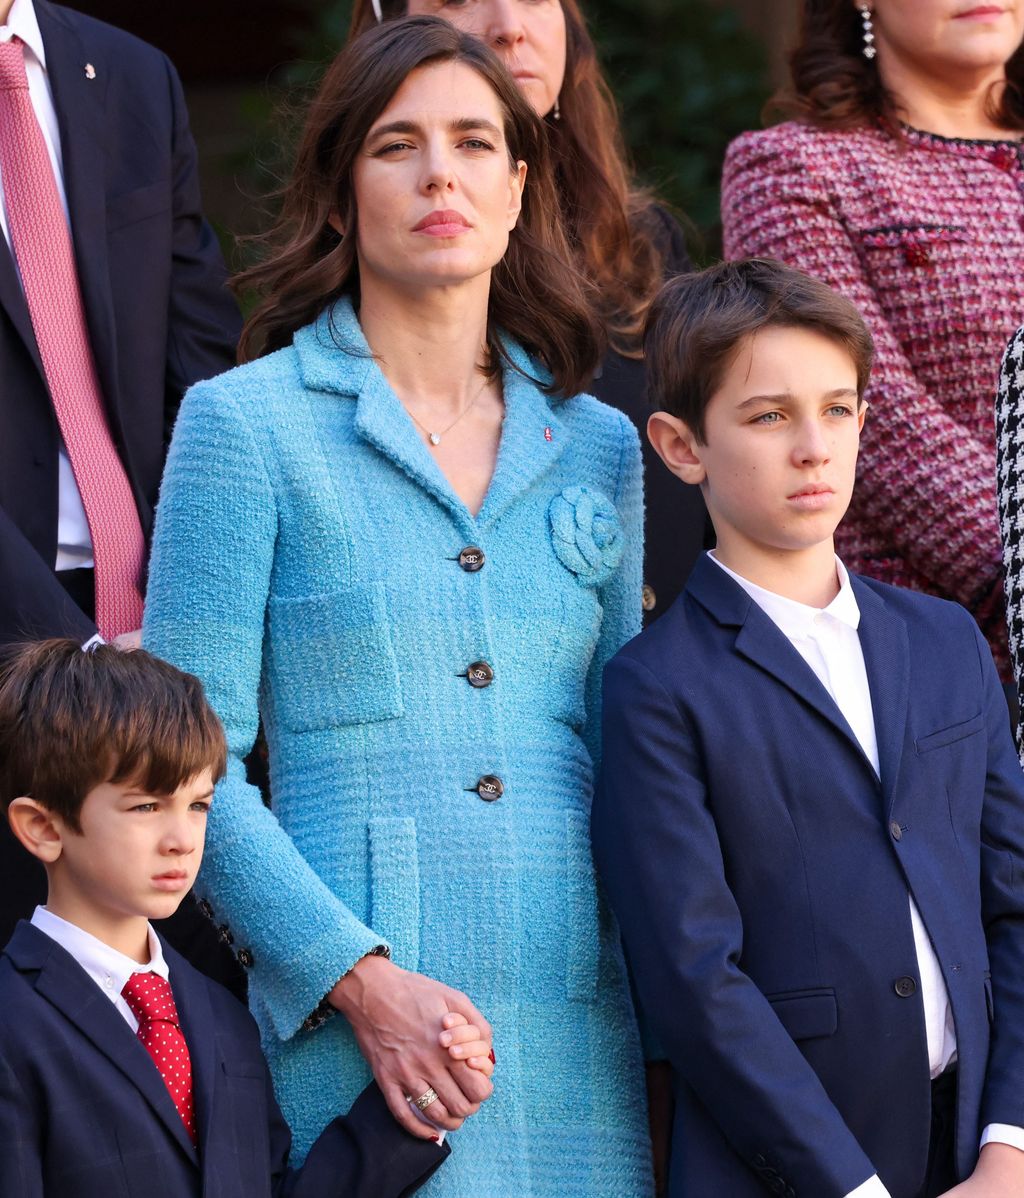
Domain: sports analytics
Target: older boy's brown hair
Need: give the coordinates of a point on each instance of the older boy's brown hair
(73, 719)
(699, 321)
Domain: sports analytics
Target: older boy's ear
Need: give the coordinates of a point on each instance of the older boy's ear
(37, 828)
(862, 411)
(677, 447)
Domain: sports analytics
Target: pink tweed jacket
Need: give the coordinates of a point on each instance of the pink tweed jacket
(926, 236)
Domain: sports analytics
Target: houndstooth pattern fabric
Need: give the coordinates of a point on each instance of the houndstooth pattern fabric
(42, 247)
(925, 235)
(150, 1000)
(1010, 484)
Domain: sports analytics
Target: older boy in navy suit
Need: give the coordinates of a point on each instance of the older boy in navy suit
(123, 1070)
(811, 817)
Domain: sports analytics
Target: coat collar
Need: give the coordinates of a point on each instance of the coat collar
(334, 357)
(883, 638)
(66, 986)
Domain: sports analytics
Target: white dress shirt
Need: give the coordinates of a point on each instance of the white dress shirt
(74, 542)
(827, 639)
(108, 968)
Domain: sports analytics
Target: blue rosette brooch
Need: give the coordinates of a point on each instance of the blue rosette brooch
(586, 534)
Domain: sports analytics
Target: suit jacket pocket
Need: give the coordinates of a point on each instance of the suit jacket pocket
(330, 659)
(806, 1014)
(948, 736)
(139, 204)
(582, 952)
(395, 886)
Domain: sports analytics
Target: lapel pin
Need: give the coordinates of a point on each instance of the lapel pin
(548, 435)
(90, 71)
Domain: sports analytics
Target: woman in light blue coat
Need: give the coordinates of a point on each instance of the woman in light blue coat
(401, 536)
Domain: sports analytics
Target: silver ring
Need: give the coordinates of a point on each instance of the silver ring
(426, 1099)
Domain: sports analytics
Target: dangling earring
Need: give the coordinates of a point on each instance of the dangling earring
(556, 112)
(869, 31)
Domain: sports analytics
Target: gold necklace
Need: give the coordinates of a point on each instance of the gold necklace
(435, 438)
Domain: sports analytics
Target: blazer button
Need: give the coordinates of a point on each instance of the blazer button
(648, 597)
(490, 788)
(472, 558)
(905, 987)
(479, 674)
(895, 831)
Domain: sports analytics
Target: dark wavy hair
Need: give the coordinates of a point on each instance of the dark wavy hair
(833, 86)
(606, 216)
(538, 296)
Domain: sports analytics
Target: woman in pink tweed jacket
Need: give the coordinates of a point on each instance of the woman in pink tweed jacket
(901, 184)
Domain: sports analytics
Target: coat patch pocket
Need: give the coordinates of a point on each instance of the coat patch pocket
(806, 1014)
(916, 245)
(948, 736)
(330, 659)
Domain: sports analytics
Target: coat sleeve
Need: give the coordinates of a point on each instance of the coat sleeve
(621, 595)
(203, 322)
(658, 854)
(1010, 477)
(209, 584)
(364, 1154)
(21, 1149)
(923, 477)
(1002, 904)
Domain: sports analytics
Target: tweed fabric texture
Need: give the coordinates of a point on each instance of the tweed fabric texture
(46, 264)
(1010, 476)
(306, 566)
(926, 236)
(150, 1000)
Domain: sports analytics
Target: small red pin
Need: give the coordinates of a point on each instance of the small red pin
(548, 436)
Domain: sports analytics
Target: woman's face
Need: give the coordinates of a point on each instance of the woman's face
(528, 35)
(435, 193)
(941, 37)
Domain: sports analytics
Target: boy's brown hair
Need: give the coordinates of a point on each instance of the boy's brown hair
(72, 719)
(699, 321)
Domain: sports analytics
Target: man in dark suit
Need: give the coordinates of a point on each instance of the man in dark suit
(123, 1070)
(811, 816)
(101, 233)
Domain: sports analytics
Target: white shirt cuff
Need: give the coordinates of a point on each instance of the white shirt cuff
(1003, 1133)
(872, 1188)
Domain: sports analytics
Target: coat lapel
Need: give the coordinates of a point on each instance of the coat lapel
(79, 101)
(883, 638)
(12, 300)
(64, 984)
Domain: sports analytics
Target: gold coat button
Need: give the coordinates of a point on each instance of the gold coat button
(648, 598)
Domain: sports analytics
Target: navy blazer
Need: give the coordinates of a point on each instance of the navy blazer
(760, 868)
(152, 277)
(84, 1113)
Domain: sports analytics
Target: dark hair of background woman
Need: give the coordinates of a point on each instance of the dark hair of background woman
(538, 296)
(601, 210)
(834, 86)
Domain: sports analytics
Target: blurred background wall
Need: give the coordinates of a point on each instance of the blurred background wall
(689, 76)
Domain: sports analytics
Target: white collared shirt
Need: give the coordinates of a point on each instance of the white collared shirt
(828, 641)
(74, 542)
(108, 968)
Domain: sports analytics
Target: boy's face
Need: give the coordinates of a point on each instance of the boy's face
(781, 439)
(136, 855)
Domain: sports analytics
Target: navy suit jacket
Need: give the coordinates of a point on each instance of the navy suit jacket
(84, 1113)
(759, 869)
(152, 277)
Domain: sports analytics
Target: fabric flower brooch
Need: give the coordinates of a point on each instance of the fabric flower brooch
(586, 534)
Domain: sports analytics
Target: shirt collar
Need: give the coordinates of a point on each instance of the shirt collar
(108, 968)
(22, 22)
(800, 619)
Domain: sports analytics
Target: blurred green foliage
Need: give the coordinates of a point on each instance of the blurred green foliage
(687, 75)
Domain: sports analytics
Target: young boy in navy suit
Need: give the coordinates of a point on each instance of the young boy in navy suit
(811, 817)
(123, 1070)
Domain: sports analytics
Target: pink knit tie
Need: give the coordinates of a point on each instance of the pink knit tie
(42, 247)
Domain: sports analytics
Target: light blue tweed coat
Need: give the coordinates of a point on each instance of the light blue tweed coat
(306, 566)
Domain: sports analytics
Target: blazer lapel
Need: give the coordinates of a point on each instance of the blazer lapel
(63, 983)
(883, 638)
(12, 300)
(197, 1024)
(79, 101)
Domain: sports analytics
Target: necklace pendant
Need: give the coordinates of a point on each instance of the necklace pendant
(435, 438)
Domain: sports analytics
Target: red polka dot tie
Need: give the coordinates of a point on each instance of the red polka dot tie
(150, 1000)
(43, 250)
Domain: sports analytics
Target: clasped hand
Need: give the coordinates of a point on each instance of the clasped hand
(418, 1034)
